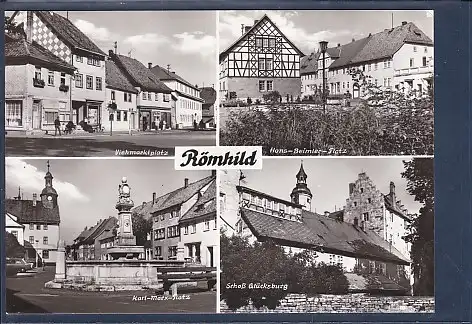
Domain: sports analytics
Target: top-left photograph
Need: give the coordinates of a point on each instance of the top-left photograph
(109, 83)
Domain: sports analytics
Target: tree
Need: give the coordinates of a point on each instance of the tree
(271, 97)
(12, 27)
(419, 174)
(141, 228)
(13, 249)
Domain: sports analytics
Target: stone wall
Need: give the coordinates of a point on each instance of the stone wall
(353, 303)
(249, 87)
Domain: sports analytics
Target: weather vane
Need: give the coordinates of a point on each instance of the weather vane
(48, 165)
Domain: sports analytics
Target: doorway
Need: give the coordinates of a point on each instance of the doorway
(36, 114)
(210, 254)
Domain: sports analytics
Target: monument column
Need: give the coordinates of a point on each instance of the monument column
(60, 262)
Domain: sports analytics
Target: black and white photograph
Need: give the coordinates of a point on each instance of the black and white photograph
(328, 235)
(355, 83)
(111, 83)
(140, 242)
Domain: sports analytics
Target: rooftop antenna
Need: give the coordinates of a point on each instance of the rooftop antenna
(19, 193)
(115, 45)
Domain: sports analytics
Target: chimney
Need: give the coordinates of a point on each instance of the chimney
(351, 188)
(339, 44)
(35, 197)
(242, 29)
(149, 65)
(29, 26)
(110, 53)
(153, 197)
(246, 28)
(392, 193)
(213, 173)
(256, 21)
(144, 203)
(404, 23)
(185, 182)
(326, 213)
(353, 39)
(370, 34)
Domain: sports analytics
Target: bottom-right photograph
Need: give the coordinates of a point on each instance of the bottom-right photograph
(328, 235)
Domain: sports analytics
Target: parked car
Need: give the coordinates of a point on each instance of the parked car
(16, 265)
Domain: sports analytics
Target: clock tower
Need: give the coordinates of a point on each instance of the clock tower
(49, 194)
(301, 194)
(125, 225)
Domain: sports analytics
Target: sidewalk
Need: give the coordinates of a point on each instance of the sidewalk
(42, 134)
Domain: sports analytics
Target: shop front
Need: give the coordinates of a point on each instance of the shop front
(89, 111)
(154, 119)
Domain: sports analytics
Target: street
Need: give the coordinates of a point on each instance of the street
(28, 295)
(104, 144)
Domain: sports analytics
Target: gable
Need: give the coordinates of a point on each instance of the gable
(45, 37)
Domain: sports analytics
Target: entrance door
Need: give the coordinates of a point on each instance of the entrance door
(210, 254)
(36, 114)
(133, 120)
(355, 91)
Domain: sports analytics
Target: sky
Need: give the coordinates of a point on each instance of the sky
(185, 40)
(88, 188)
(306, 28)
(328, 179)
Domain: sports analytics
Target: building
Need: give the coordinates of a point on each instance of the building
(155, 102)
(262, 60)
(40, 218)
(13, 227)
(359, 247)
(208, 94)
(198, 229)
(400, 59)
(229, 200)
(61, 37)
(37, 85)
(91, 243)
(121, 100)
(166, 213)
(189, 103)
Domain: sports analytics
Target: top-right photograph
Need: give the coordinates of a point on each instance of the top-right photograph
(337, 83)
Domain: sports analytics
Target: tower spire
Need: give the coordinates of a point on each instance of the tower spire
(301, 194)
(48, 165)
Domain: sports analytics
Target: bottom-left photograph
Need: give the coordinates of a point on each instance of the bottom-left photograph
(109, 236)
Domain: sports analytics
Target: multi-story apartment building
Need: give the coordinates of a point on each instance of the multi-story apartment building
(198, 229)
(40, 219)
(61, 37)
(353, 238)
(155, 102)
(400, 59)
(262, 60)
(189, 103)
(37, 86)
(121, 100)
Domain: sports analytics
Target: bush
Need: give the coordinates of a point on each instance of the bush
(271, 97)
(13, 249)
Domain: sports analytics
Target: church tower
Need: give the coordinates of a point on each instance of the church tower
(301, 194)
(49, 194)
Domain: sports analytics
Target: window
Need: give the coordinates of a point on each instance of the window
(207, 225)
(45, 240)
(149, 96)
(376, 66)
(79, 58)
(385, 82)
(112, 95)
(194, 228)
(118, 115)
(369, 200)
(89, 82)
(173, 231)
(270, 85)
(51, 78)
(389, 63)
(265, 42)
(79, 81)
(214, 224)
(369, 67)
(376, 82)
(269, 64)
(425, 62)
(38, 226)
(271, 42)
(259, 42)
(172, 251)
(385, 64)
(31, 227)
(31, 239)
(125, 116)
(261, 85)
(98, 82)
(186, 229)
(144, 95)
(14, 113)
(89, 60)
(365, 216)
(426, 50)
(162, 217)
(412, 62)
(160, 234)
(389, 82)
(415, 49)
(158, 250)
(37, 73)
(50, 117)
(347, 84)
(362, 190)
(166, 97)
(156, 97)
(45, 254)
(261, 63)
(63, 78)
(45, 227)
(355, 204)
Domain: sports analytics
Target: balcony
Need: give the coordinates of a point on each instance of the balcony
(38, 83)
(64, 88)
(413, 71)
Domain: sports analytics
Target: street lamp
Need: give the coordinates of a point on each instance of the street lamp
(323, 47)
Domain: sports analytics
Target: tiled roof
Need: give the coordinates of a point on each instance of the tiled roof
(139, 75)
(337, 215)
(322, 234)
(394, 208)
(265, 17)
(386, 43)
(66, 31)
(309, 63)
(258, 193)
(27, 213)
(19, 51)
(348, 51)
(205, 205)
(96, 230)
(180, 195)
(208, 94)
(115, 79)
(164, 74)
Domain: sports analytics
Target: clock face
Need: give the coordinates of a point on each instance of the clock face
(126, 189)
(127, 226)
(49, 198)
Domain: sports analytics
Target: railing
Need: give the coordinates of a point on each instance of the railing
(414, 70)
(38, 83)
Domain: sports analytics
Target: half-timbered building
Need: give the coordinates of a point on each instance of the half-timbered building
(262, 60)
